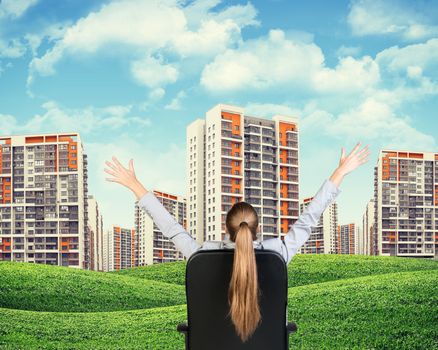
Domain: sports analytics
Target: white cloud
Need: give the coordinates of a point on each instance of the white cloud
(175, 104)
(202, 10)
(348, 51)
(424, 55)
(414, 72)
(13, 48)
(157, 94)
(350, 75)
(372, 121)
(8, 124)
(210, 39)
(278, 61)
(152, 27)
(153, 73)
(51, 33)
(265, 110)
(262, 63)
(61, 119)
(373, 17)
(15, 8)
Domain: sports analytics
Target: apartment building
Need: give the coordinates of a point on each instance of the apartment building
(43, 206)
(234, 157)
(95, 228)
(153, 246)
(122, 249)
(406, 197)
(366, 242)
(106, 249)
(346, 238)
(322, 238)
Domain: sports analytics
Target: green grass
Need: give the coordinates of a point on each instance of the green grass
(51, 288)
(304, 269)
(172, 272)
(396, 310)
(338, 302)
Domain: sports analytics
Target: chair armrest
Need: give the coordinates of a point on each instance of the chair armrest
(291, 327)
(182, 328)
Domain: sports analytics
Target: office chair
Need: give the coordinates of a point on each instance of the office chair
(208, 274)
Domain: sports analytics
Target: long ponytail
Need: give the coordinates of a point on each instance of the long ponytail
(243, 293)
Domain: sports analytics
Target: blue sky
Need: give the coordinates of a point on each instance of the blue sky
(131, 75)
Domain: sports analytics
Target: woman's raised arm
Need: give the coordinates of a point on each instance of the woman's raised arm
(167, 224)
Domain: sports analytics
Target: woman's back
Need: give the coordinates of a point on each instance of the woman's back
(288, 246)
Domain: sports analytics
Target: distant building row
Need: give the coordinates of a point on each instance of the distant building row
(47, 215)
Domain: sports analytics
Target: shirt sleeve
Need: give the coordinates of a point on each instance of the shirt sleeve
(300, 231)
(167, 224)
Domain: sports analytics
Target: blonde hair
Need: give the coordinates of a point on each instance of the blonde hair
(243, 292)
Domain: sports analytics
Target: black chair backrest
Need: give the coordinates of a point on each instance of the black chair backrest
(208, 275)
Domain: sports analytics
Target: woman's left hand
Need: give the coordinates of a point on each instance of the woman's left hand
(125, 176)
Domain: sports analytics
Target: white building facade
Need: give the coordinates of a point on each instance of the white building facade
(234, 157)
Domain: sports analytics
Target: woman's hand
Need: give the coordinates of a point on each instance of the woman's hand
(349, 163)
(126, 177)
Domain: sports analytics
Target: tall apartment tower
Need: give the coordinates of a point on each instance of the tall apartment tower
(106, 250)
(234, 157)
(406, 197)
(43, 200)
(95, 228)
(365, 243)
(122, 249)
(322, 239)
(153, 246)
(347, 236)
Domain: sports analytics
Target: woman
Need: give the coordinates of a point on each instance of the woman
(242, 226)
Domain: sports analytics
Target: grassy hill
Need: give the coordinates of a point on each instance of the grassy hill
(337, 301)
(51, 288)
(304, 269)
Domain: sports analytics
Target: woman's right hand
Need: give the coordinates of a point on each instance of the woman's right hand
(350, 162)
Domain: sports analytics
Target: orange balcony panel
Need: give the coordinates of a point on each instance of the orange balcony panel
(51, 138)
(283, 128)
(34, 139)
(65, 139)
(416, 155)
(284, 225)
(6, 140)
(283, 191)
(235, 121)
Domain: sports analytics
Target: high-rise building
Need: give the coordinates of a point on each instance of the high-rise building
(95, 228)
(322, 239)
(153, 246)
(234, 157)
(365, 242)
(406, 197)
(347, 236)
(122, 249)
(106, 250)
(43, 206)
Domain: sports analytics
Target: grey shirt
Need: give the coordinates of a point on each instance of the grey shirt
(298, 233)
